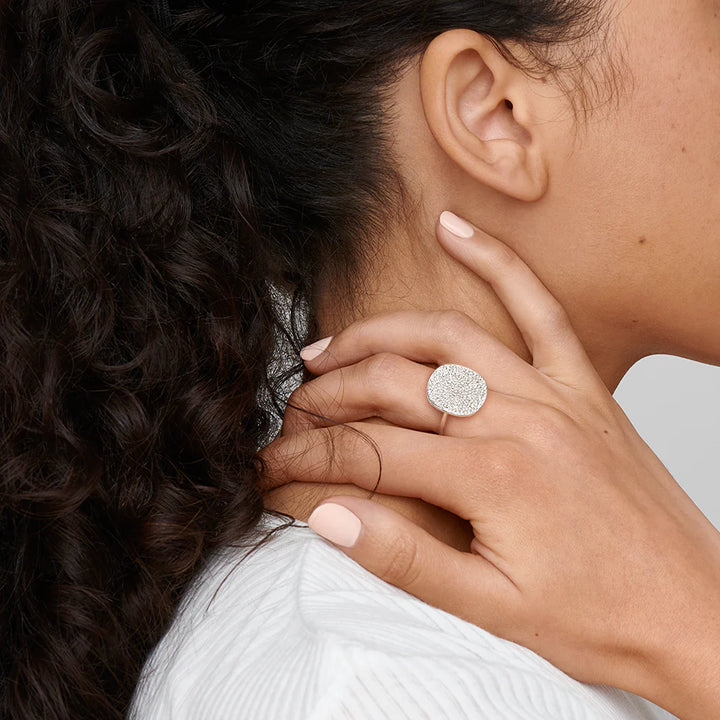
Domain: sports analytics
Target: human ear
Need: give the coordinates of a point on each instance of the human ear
(483, 111)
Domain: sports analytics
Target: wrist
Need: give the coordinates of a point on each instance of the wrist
(679, 670)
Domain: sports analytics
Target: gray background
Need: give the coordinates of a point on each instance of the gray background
(675, 406)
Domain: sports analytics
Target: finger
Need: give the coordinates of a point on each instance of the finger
(386, 386)
(543, 322)
(399, 552)
(464, 476)
(436, 337)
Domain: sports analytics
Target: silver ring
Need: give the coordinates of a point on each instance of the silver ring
(456, 390)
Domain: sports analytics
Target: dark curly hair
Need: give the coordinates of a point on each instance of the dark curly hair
(165, 168)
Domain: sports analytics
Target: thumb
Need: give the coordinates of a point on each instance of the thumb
(403, 554)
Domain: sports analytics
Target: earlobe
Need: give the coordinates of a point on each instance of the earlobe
(479, 108)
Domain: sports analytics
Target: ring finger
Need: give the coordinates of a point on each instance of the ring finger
(385, 385)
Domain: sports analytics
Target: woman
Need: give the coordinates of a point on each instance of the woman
(601, 583)
(163, 165)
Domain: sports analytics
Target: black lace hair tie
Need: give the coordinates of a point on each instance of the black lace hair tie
(161, 13)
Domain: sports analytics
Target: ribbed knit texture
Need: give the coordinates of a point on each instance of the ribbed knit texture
(298, 631)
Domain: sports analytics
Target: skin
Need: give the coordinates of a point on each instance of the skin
(615, 211)
(585, 549)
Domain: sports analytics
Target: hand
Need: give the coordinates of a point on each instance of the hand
(586, 550)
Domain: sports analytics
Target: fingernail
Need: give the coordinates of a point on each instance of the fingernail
(336, 524)
(456, 225)
(310, 352)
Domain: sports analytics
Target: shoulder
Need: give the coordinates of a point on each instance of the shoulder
(297, 630)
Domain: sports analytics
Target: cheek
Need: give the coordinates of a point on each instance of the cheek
(631, 224)
(667, 124)
(650, 170)
(668, 152)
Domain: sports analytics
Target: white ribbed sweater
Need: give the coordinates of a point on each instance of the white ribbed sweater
(298, 631)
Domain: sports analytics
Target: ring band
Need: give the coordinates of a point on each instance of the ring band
(441, 431)
(456, 390)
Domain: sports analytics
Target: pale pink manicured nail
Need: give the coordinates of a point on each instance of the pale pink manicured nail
(336, 524)
(310, 352)
(456, 225)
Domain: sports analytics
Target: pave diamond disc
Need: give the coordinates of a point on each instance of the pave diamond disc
(457, 390)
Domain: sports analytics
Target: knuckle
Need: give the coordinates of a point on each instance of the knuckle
(503, 471)
(507, 463)
(295, 415)
(453, 325)
(360, 330)
(298, 398)
(557, 424)
(303, 456)
(346, 453)
(272, 464)
(365, 329)
(401, 564)
(554, 317)
(504, 258)
(543, 426)
(291, 421)
(336, 452)
(381, 368)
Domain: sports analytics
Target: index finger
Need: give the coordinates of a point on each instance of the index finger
(543, 322)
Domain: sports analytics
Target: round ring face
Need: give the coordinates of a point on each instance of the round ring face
(457, 390)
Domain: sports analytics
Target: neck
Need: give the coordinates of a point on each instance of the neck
(436, 282)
